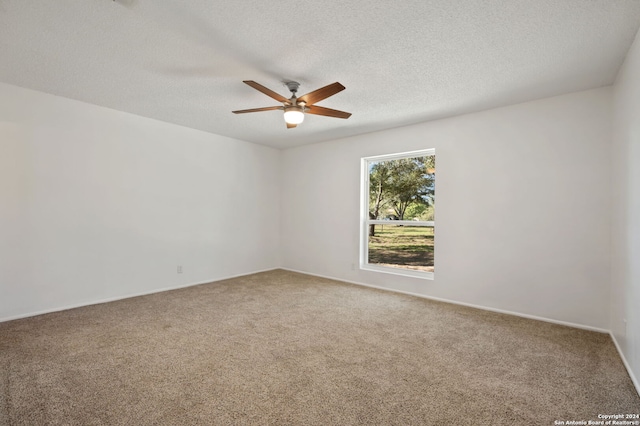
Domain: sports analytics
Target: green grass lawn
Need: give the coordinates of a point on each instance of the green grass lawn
(402, 246)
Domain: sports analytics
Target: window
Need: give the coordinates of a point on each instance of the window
(397, 213)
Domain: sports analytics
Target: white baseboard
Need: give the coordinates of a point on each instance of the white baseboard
(626, 364)
(469, 305)
(127, 296)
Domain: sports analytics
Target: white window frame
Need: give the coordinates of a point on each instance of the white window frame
(365, 221)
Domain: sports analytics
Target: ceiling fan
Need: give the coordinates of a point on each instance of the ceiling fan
(294, 108)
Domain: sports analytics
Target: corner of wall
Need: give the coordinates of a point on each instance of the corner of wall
(624, 319)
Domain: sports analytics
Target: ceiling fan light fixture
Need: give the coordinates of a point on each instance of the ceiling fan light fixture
(293, 115)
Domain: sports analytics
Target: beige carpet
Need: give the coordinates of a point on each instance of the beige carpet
(289, 349)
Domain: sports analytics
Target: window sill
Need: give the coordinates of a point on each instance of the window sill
(398, 271)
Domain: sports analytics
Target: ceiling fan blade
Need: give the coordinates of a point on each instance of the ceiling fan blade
(318, 110)
(291, 126)
(322, 93)
(259, 87)
(242, 111)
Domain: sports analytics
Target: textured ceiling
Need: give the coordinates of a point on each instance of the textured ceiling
(402, 62)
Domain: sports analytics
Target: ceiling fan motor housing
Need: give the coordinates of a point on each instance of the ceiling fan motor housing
(292, 86)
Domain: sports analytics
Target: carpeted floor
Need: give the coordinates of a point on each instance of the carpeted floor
(289, 349)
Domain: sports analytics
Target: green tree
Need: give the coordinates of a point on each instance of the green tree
(415, 211)
(420, 212)
(401, 184)
(412, 183)
(379, 180)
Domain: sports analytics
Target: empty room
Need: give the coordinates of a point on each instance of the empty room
(225, 212)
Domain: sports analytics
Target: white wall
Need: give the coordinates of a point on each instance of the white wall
(625, 300)
(98, 204)
(522, 215)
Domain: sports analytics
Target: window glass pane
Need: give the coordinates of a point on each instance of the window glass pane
(402, 189)
(407, 247)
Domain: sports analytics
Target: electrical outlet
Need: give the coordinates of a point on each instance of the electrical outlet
(179, 269)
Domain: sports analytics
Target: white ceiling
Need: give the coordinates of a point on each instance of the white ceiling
(402, 62)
